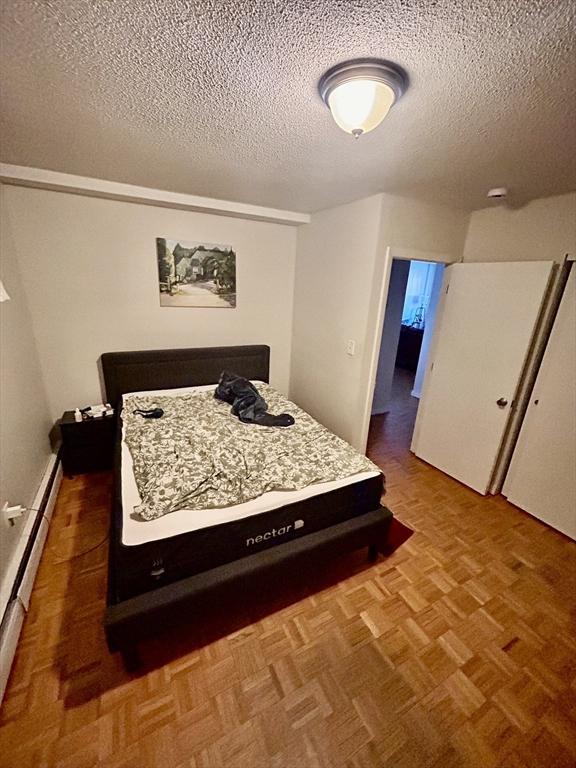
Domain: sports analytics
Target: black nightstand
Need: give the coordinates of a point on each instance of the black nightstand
(87, 446)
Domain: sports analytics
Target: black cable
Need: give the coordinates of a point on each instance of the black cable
(78, 554)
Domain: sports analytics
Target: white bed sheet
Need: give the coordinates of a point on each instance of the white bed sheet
(136, 532)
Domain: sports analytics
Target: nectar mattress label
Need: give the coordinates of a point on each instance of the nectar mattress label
(274, 533)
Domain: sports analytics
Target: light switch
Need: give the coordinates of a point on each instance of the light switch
(351, 347)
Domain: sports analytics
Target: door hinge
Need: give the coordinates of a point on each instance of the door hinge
(447, 287)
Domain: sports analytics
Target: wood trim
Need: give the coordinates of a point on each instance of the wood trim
(40, 178)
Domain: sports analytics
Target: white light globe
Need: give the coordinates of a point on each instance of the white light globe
(358, 106)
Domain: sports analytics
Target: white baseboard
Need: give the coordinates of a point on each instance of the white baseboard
(16, 558)
(48, 512)
(25, 589)
(13, 612)
(11, 627)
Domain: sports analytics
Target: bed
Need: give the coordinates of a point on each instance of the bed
(179, 564)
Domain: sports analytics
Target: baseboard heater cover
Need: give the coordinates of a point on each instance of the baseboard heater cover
(35, 537)
(11, 626)
(27, 572)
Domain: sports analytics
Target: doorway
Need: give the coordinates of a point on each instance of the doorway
(409, 318)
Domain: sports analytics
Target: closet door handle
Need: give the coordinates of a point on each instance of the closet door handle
(501, 402)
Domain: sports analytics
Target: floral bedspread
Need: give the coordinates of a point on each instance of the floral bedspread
(200, 456)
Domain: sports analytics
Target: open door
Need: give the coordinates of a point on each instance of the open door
(483, 333)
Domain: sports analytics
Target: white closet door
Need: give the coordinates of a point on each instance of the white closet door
(485, 326)
(542, 474)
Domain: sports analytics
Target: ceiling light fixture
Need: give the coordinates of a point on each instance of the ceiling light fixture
(359, 93)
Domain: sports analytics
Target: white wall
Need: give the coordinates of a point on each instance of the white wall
(335, 263)
(390, 335)
(343, 266)
(89, 271)
(416, 226)
(542, 230)
(24, 445)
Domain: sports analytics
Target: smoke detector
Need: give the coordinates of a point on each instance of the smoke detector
(497, 193)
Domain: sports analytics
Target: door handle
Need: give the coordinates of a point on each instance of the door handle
(501, 402)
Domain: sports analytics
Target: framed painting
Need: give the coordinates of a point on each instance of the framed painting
(194, 274)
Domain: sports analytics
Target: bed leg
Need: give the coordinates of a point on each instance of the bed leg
(131, 658)
(372, 553)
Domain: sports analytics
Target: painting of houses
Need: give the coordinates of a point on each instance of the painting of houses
(195, 274)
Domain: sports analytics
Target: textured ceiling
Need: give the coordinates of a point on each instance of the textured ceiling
(219, 98)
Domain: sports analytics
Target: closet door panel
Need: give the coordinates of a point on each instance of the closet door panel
(542, 474)
(484, 330)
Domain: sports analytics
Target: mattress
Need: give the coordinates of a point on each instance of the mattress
(146, 555)
(136, 531)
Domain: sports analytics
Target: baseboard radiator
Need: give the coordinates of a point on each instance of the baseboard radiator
(29, 552)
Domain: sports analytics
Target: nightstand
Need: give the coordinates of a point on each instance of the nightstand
(87, 446)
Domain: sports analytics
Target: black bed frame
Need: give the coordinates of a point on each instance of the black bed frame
(130, 620)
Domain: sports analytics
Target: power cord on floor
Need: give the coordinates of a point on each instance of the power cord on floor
(78, 554)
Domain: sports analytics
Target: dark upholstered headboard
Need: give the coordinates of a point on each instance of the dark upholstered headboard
(170, 368)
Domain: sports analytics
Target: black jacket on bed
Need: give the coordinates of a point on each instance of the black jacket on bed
(247, 403)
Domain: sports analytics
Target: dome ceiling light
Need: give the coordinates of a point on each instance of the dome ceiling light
(359, 93)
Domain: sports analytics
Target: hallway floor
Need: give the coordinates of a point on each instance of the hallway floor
(394, 429)
(457, 651)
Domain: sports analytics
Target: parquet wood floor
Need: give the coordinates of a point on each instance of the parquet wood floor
(457, 651)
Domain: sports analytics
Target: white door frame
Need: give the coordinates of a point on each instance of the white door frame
(369, 380)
